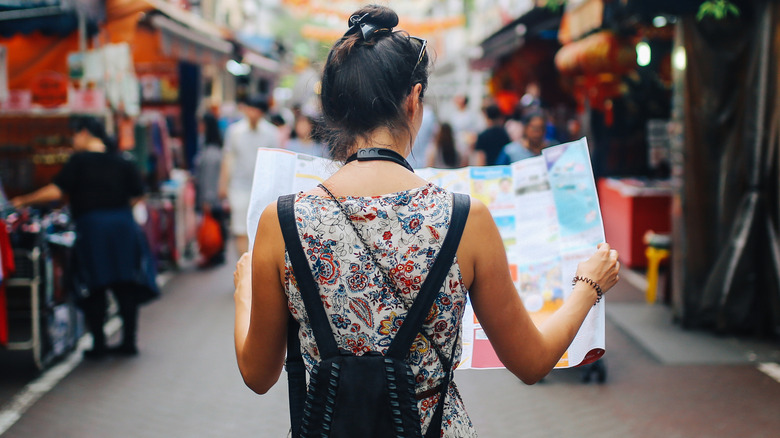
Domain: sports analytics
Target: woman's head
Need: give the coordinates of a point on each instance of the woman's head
(445, 141)
(88, 129)
(211, 133)
(535, 128)
(303, 128)
(369, 74)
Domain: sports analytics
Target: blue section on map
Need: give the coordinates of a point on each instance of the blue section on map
(574, 191)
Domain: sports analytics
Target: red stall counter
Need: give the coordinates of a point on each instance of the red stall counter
(629, 208)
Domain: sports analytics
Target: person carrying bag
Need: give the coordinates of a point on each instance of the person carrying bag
(346, 279)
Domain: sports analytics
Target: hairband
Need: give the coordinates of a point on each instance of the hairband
(368, 30)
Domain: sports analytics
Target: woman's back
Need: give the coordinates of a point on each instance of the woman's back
(404, 220)
(99, 180)
(405, 231)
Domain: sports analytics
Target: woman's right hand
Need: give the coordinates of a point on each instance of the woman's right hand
(242, 278)
(17, 202)
(602, 267)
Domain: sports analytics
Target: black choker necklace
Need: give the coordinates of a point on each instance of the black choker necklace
(379, 154)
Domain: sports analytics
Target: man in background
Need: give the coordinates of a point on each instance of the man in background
(492, 140)
(242, 140)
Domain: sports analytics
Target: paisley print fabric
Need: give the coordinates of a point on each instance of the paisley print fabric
(404, 231)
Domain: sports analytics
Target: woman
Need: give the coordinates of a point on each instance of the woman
(444, 154)
(208, 164)
(302, 140)
(404, 219)
(111, 250)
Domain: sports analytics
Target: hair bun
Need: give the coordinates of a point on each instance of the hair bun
(379, 16)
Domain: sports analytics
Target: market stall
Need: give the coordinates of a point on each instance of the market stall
(135, 65)
(38, 95)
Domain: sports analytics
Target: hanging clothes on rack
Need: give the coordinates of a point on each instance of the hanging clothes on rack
(7, 268)
(152, 151)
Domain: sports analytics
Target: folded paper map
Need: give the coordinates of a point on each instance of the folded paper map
(546, 209)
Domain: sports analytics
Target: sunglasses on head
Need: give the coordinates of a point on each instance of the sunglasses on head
(423, 47)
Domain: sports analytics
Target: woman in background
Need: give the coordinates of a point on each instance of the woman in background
(207, 168)
(111, 252)
(302, 139)
(444, 154)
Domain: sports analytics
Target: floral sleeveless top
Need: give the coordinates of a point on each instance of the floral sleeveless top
(405, 231)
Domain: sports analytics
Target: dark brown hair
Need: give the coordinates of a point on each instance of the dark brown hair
(445, 142)
(366, 81)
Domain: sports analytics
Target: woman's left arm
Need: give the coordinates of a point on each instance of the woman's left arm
(261, 307)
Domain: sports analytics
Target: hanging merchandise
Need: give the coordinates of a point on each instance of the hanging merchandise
(39, 316)
(7, 268)
(152, 149)
(3, 73)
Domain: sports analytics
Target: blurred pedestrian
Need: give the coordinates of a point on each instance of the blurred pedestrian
(208, 164)
(302, 140)
(425, 135)
(531, 144)
(242, 140)
(369, 235)
(574, 129)
(444, 154)
(466, 125)
(111, 251)
(492, 139)
(531, 101)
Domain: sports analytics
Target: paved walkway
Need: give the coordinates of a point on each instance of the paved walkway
(185, 384)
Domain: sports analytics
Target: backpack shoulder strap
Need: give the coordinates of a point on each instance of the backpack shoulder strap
(296, 376)
(323, 334)
(400, 345)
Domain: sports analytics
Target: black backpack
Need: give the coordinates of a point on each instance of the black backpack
(369, 396)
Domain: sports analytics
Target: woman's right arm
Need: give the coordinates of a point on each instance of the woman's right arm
(260, 330)
(47, 193)
(528, 351)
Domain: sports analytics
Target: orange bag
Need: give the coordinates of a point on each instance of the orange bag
(210, 239)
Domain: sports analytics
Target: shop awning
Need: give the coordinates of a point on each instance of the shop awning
(187, 44)
(539, 22)
(253, 50)
(50, 17)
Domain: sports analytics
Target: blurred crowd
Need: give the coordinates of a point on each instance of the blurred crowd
(452, 134)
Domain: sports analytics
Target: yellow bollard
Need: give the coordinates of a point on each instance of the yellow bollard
(654, 258)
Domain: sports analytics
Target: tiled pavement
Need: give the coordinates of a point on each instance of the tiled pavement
(185, 384)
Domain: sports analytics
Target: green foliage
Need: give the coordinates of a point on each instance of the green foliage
(553, 5)
(718, 9)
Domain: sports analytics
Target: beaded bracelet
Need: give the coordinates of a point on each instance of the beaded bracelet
(595, 285)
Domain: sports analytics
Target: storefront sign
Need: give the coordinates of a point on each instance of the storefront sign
(86, 101)
(581, 17)
(17, 100)
(50, 89)
(601, 52)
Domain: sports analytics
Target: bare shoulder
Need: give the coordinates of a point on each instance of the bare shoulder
(268, 228)
(479, 218)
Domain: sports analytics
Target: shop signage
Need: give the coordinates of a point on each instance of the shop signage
(601, 52)
(86, 101)
(17, 100)
(580, 17)
(50, 89)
